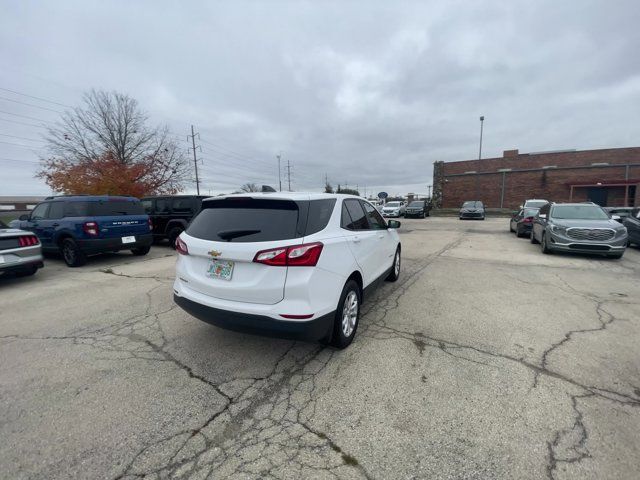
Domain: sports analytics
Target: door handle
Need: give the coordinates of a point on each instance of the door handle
(355, 239)
(55, 224)
(381, 235)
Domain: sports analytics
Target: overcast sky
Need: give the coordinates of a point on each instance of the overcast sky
(368, 93)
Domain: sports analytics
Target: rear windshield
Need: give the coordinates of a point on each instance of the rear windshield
(579, 212)
(103, 208)
(530, 212)
(416, 204)
(472, 204)
(246, 220)
(536, 203)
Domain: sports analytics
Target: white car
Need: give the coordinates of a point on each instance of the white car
(393, 209)
(294, 265)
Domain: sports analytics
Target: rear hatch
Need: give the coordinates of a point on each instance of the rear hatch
(115, 217)
(227, 234)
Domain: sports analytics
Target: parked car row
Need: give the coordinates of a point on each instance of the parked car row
(576, 227)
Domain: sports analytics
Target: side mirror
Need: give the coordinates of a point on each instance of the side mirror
(393, 224)
(23, 218)
(615, 217)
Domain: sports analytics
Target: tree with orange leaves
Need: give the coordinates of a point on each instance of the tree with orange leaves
(106, 148)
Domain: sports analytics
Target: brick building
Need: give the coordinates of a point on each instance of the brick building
(609, 177)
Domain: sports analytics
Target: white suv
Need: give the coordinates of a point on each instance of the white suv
(294, 265)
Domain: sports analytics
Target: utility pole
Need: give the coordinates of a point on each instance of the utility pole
(279, 177)
(195, 158)
(289, 174)
(429, 187)
(481, 124)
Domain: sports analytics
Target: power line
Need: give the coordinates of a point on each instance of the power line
(23, 116)
(36, 98)
(29, 104)
(22, 123)
(30, 147)
(22, 138)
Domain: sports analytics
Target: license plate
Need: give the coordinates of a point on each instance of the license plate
(128, 239)
(220, 269)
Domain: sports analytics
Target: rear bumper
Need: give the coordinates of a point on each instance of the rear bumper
(21, 266)
(313, 329)
(101, 245)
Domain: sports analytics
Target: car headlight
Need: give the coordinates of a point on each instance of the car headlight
(621, 232)
(558, 229)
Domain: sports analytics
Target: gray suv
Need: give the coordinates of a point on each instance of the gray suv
(578, 227)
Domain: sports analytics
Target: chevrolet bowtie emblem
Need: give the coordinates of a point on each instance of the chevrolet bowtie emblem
(215, 253)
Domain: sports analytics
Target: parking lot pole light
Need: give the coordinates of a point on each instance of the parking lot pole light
(481, 124)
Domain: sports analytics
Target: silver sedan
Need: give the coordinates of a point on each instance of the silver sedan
(20, 252)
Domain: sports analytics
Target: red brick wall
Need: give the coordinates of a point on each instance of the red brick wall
(551, 184)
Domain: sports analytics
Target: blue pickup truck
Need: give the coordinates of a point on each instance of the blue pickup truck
(83, 225)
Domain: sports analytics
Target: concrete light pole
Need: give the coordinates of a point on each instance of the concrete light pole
(481, 124)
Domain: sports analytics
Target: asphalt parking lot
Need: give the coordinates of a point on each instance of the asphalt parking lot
(487, 359)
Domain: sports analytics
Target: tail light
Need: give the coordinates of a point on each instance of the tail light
(181, 247)
(28, 241)
(150, 223)
(527, 220)
(306, 255)
(90, 228)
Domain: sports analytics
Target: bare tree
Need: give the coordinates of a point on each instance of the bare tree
(250, 187)
(112, 124)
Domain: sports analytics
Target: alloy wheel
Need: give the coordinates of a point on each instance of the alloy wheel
(350, 313)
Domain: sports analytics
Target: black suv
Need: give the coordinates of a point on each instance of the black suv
(171, 214)
(417, 208)
(82, 225)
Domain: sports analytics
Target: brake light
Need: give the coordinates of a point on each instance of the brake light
(150, 223)
(90, 228)
(306, 255)
(28, 241)
(181, 247)
(527, 220)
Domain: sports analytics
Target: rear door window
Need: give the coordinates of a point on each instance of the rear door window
(162, 205)
(246, 220)
(181, 205)
(76, 209)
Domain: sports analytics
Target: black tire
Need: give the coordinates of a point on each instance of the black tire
(27, 272)
(394, 274)
(173, 235)
(344, 325)
(615, 256)
(533, 238)
(71, 253)
(544, 248)
(141, 251)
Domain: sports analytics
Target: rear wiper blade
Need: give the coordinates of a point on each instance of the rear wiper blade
(231, 234)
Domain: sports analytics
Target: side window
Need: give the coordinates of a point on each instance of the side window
(375, 220)
(357, 217)
(76, 209)
(148, 206)
(319, 214)
(56, 210)
(40, 212)
(162, 205)
(181, 205)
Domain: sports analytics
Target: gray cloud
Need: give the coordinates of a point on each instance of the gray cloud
(371, 93)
